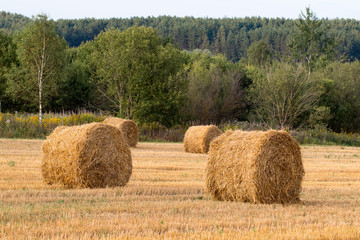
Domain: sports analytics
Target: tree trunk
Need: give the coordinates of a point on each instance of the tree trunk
(41, 78)
(120, 107)
(40, 102)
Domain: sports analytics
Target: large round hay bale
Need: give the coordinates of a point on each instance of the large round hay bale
(92, 155)
(128, 128)
(257, 167)
(58, 129)
(198, 138)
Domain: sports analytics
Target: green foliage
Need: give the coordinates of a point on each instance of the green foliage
(74, 88)
(135, 71)
(7, 58)
(41, 56)
(12, 127)
(27, 125)
(284, 93)
(21, 125)
(323, 136)
(309, 44)
(317, 135)
(139, 74)
(259, 55)
(7, 51)
(342, 96)
(216, 89)
(11, 163)
(11, 23)
(320, 117)
(234, 35)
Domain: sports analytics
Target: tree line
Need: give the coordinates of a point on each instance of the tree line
(229, 36)
(136, 72)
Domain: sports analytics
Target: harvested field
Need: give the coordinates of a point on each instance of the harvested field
(165, 199)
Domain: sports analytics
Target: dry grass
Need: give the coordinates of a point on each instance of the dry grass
(165, 199)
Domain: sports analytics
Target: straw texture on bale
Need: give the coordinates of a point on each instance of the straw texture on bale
(59, 129)
(128, 128)
(89, 156)
(257, 167)
(198, 138)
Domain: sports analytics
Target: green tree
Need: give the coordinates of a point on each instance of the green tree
(220, 41)
(74, 89)
(309, 44)
(139, 73)
(7, 58)
(342, 95)
(259, 54)
(283, 93)
(191, 33)
(41, 54)
(216, 89)
(205, 42)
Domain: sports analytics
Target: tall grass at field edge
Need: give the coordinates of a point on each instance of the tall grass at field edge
(25, 125)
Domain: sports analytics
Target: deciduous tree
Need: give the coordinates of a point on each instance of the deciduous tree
(41, 54)
(284, 93)
(7, 58)
(259, 54)
(216, 89)
(139, 74)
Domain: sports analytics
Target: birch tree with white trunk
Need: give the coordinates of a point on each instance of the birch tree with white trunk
(42, 55)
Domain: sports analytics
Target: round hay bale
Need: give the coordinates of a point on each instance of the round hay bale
(58, 129)
(198, 138)
(128, 128)
(89, 156)
(257, 167)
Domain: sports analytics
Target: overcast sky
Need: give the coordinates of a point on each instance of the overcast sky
(73, 9)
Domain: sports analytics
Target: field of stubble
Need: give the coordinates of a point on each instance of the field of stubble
(165, 198)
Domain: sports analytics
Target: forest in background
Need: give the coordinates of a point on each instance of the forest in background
(281, 73)
(229, 36)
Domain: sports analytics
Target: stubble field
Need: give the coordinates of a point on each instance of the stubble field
(165, 198)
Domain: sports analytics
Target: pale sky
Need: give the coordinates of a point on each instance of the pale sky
(74, 9)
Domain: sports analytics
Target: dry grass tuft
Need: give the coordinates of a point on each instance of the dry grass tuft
(258, 167)
(91, 155)
(128, 128)
(198, 138)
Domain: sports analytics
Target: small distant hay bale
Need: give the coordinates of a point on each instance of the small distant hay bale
(198, 138)
(128, 128)
(89, 156)
(257, 167)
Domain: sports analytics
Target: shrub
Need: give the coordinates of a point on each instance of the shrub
(22, 125)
